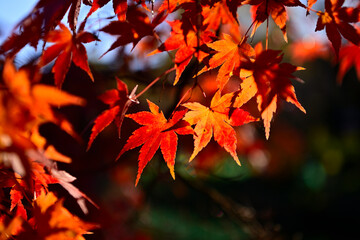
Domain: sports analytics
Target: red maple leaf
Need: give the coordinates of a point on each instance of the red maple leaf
(136, 26)
(44, 17)
(218, 119)
(349, 56)
(187, 45)
(119, 101)
(156, 132)
(269, 80)
(16, 196)
(336, 21)
(66, 48)
(39, 181)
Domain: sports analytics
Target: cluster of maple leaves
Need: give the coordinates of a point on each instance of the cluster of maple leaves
(206, 32)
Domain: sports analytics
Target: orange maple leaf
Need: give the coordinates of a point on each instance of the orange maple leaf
(119, 102)
(36, 100)
(66, 48)
(10, 228)
(229, 55)
(216, 120)
(336, 21)
(53, 221)
(222, 16)
(269, 80)
(156, 132)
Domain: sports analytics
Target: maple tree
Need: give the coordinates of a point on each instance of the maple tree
(204, 38)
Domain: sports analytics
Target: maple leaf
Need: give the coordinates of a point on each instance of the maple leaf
(186, 46)
(349, 56)
(53, 221)
(262, 9)
(221, 10)
(12, 228)
(136, 26)
(57, 176)
(39, 181)
(229, 55)
(29, 105)
(44, 17)
(16, 195)
(336, 21)
(218, 121)
(119, 101)
(269, 79)
(66, 48)
(156, 132)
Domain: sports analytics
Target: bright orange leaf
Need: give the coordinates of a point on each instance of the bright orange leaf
(53, 221)
(35, 101)
(220, 13)
(229, 55)
(216, 121)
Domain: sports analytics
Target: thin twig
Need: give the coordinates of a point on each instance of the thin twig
(153, 82)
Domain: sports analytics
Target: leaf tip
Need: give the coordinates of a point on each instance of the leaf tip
(192, 157)
(267, 134)
(89, 145)
(237, 161)
(172, 171)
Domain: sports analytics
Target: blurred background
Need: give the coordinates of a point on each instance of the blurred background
(302, 183)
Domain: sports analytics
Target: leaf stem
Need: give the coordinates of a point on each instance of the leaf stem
(267, 34)
(267, 28)
(247, 31)
(309, 9)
